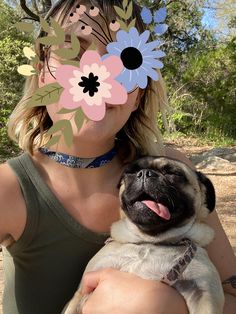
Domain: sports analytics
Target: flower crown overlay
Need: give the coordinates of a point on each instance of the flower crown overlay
(84, 87)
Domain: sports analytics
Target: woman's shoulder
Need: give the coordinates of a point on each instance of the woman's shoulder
(12, 204)
(8, 180)
(176, 154)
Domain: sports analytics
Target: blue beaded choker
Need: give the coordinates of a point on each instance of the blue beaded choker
(77, 162)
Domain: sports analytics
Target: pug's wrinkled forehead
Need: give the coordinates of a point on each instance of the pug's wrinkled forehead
(102, 60)
(170, 165)
(169, 168)
(161, 163)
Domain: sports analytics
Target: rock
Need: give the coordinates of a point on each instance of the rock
(213, 163)
(228, 154)
(231, 157)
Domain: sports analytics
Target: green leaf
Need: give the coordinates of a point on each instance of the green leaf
(65, 111)
(129, 11)
(44, 24)
(70, 62)
(120, 12)
(132, 24)
(59, 31)
(25, 27)
(79, 118)
(35, 59)
(123, 25)
(60, 125)
(47, 40)
(46, 95)
(59, 37)
(54, 140)
(125, 3)
(65, 127)
(64, 53)
(67, 53)
(68, 134)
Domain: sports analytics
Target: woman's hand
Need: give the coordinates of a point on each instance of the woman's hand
(123, 293)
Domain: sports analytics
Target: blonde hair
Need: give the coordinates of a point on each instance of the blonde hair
(140, 135)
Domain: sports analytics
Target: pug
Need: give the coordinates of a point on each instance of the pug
(162, 233)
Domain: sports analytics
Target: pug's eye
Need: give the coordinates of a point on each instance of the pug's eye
(167, 170)
(176, 174)
(129, 174)
(132, 171)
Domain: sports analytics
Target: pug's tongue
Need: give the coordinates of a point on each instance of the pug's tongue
(158, 208)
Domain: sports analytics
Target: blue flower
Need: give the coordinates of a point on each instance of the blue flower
(139, 57)
(146, 15)
(159, 17)
(160, 29)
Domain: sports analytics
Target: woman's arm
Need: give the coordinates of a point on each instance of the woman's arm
(12, 207)
(221, 253)
(222, 256)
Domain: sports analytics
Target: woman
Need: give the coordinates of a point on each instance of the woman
(55, 218)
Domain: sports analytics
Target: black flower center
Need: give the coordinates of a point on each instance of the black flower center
(90, 84)
(131, 58)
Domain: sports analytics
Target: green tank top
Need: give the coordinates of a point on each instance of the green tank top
(43, 268)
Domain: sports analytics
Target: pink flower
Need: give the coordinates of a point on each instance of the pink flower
(92, 85)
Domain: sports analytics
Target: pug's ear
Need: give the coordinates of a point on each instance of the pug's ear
(210, 196)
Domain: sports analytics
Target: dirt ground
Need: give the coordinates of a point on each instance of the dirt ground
(225, 185)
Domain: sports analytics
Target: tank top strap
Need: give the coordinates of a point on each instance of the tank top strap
(20, 166)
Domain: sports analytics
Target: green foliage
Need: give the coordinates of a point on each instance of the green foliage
(8, 19)
(199, 88)
(199, 72)
(207, 100)
(11, 82)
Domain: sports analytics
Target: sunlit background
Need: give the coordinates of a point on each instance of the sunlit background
(200, 67)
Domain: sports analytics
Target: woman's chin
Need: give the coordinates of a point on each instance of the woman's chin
(92, 131)
(97, 131)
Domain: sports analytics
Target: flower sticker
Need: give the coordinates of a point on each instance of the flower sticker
(92, 85)
(85, 81)
(140, 58)
(159, 17)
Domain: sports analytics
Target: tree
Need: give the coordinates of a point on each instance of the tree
(200, 73)
(11, 82)
(32, 8)
(206, 103)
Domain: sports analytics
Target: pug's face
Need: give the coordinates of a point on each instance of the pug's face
(160, 193)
